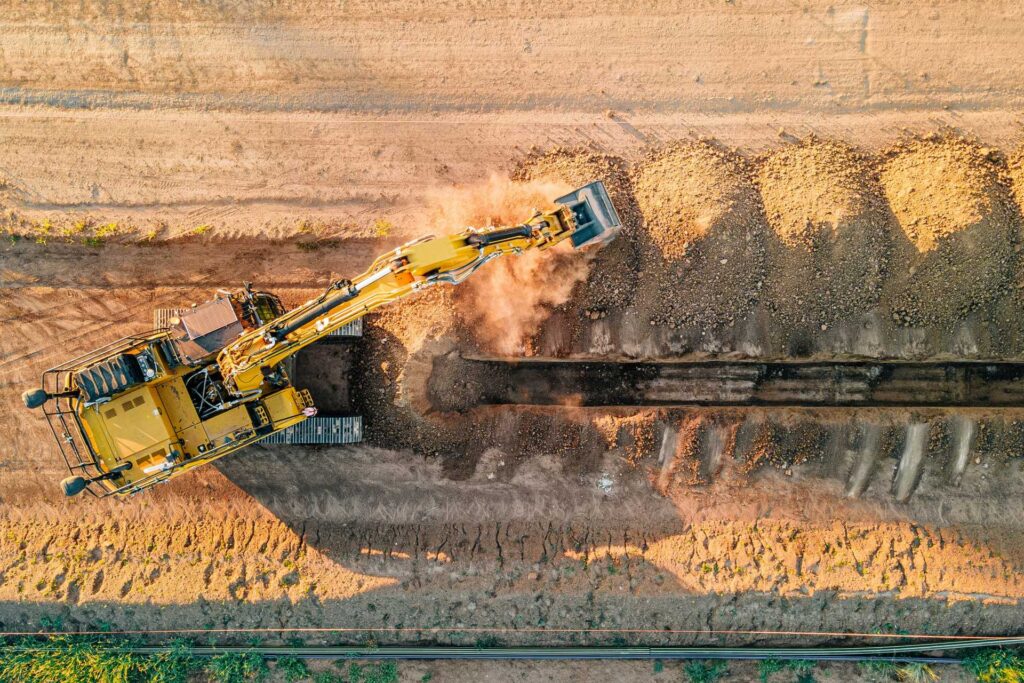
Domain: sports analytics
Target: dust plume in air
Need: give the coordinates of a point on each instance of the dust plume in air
(505, 302)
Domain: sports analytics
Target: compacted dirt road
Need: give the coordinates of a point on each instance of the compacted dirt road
(796, 181)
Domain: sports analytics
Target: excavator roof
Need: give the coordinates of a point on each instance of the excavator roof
(207, 328)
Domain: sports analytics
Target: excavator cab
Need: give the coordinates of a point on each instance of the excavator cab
(593, 215)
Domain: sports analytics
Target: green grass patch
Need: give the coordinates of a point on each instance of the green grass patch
(710, 671)
(996, 666)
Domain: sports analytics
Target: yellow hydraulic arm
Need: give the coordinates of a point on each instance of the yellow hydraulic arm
(585, 216)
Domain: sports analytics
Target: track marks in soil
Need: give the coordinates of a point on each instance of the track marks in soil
(169, 563)
(722, 557)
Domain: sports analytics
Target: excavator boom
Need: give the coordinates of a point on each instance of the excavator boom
(147, 408)
(585, 216)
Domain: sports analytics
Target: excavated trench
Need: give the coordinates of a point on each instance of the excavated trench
(461, 383)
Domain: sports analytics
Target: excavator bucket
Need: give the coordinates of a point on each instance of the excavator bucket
(593, 215)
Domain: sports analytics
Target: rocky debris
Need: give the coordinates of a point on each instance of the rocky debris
(799, 237)
(613, 273)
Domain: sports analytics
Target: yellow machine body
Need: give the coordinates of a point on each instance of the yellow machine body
(148, 408)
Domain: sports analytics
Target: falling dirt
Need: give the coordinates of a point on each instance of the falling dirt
(504, 303)
(613, 272)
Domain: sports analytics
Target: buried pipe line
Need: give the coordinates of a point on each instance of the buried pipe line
(724, 383)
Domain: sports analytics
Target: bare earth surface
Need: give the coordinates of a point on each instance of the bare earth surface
(796, 180)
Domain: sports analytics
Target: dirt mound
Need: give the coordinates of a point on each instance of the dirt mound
(1015, 165)
(815, 191)
(703, 214)
(834, 233)
(938, 187)
(953, 205)
(687, 191)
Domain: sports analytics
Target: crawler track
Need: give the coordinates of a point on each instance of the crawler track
(846, 383)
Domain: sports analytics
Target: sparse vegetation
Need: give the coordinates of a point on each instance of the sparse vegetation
(292, 668)
(107, 230)
(382, 228)
(767, 667)
(176, 666)
(238, 667)
(996, 666)
(706, 671)
(67, 659)
(384, 672)
(77, 228)
(915, 672)
(804, 669)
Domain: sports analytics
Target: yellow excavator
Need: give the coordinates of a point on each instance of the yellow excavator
(147, 408)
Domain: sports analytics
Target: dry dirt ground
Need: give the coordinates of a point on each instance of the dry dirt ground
(795, 179)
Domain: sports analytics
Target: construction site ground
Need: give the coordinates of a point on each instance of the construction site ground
(797, 180)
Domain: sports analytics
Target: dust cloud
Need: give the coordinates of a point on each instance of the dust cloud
(505, 302)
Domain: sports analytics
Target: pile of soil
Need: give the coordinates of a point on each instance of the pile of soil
(938, 187)
(1015, 167)
(833, 232)
(952, 201)
(689, 191)
(703, 214)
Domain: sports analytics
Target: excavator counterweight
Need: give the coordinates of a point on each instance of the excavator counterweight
(149, 407)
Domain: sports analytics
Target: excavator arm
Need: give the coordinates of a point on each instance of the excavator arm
(585, 216)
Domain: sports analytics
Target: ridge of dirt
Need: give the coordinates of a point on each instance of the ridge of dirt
(212, 570)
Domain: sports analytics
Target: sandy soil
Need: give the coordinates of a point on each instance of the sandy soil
(305, 112)
(860, 161)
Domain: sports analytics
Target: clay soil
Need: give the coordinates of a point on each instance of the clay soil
(828, 181)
